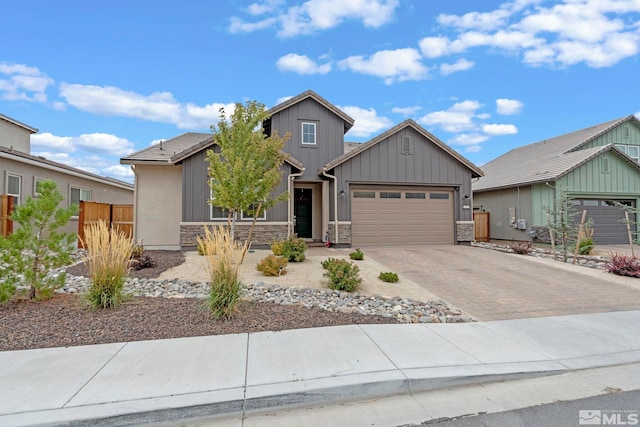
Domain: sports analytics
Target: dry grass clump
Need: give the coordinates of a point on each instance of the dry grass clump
(108, 255)
(223, 256)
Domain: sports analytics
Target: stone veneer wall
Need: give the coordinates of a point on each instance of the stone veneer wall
(263, 233)
(344, 231)
(542, 234)
(465, 231)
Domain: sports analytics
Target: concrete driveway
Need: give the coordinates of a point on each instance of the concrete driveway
(491, 285)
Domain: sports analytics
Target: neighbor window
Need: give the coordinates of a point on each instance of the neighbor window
(442, 196)
(414, 196)
(364, 194)
(632, 151)
(14, 187)
(389, 195)
(78, 194)
(37, 184)
(309, 133)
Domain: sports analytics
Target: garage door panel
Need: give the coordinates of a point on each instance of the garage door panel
(607, 220)
(416, 219)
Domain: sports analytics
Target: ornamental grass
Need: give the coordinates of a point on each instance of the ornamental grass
(223, 256)
(108, 255)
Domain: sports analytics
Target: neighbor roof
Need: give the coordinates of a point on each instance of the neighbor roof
(17, 123)
(176, 149)
(42, 162)
(348, 121)
(547, 160)
(477, 172)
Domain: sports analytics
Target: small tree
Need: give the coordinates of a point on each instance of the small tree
(561, 221)
(37, 247)
(248, 166)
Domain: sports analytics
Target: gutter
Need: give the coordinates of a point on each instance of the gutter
(335, 201)
(290, 179)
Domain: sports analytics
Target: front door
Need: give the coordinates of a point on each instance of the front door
(302, 212)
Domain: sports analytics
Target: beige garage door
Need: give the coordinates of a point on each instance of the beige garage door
(401, 215)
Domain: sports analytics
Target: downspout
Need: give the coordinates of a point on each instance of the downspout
(135, 203)
(292, 176)
(335, 202)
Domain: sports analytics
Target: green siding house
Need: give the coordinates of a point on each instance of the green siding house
(598, 167)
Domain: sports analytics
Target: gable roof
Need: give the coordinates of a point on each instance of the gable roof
(17, 123)
(39, 161)
(348, 121)
(477, 172)
(547, 160)
(174, 150)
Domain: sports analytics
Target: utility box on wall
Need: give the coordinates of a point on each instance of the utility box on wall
(521, 224)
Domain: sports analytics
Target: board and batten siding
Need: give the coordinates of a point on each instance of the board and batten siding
(428, 165)
(617, 135)
(329, 135)
(196, 191)
(619, 178)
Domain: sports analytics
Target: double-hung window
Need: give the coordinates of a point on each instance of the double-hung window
(14, 187)
(308, 133)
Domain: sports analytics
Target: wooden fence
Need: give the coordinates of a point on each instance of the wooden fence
(6, 209)
(117, 216)
(481, 220)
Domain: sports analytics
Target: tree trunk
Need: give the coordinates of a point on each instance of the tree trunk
(250, 236)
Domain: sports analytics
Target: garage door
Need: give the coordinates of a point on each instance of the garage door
(396, 215)
(609, 227)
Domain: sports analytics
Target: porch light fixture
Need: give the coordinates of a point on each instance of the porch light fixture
(342, 193)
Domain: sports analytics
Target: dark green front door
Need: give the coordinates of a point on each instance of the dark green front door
(302, 211)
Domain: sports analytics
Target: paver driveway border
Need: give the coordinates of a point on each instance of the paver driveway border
(492, 285)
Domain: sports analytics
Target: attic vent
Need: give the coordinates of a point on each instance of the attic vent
(626, 133)
(407, 146)
(604, 163)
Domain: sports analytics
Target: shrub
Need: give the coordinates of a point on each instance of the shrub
(36, 247)
(623, 264)
(343, 275)
(586, 245)
(389, 277)
(520, 247)
(277, 248)
(142, 262)
(293, 249)
(137, 251)
(108, 255)
(272, 266)
(223, 256)
(357, 255)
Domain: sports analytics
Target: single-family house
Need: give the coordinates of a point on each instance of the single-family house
(597, 167)
(20, 173)
(404, 186)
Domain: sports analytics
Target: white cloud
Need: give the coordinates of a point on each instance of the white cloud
(48, 141)
(301, 64)
(434, 47)
(23, 83)
(391, 65)
(468, 139)
(314, 15)
(473, 149)
(458, 118)
(157, 107)
(475, 20)
(507, 107)
(121, 172)
(460, 65)
(406, 111)
(367, 122)
(499, 129)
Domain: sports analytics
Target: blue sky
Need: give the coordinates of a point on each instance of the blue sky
(102, 79)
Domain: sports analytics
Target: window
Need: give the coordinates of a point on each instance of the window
(442, 196)
(414, 196)
(78, 194)
(37, 182)
(309, 133)
(389, 195)
(263, 215)
(14, 187)
(364, 194)
(632, 151)
(216, 213)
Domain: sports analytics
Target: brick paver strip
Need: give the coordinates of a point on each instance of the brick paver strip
(490, 285)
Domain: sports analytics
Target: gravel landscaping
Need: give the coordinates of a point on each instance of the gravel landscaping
(173, 308)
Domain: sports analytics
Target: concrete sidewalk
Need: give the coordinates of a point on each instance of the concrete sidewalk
(154, 381)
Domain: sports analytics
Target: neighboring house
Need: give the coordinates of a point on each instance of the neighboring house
(597, 166)
(404, 186)
(20, 173)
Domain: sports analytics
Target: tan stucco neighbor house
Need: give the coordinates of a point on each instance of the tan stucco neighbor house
(598, 167)
(20, 173)
(404, 186)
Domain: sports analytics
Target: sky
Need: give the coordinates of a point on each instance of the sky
(100, 80)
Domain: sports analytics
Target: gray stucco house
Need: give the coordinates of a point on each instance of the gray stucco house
(597, 166)
(403, 186)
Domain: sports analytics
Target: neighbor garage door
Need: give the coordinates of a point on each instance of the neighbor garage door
(609, 227)
(394, 215)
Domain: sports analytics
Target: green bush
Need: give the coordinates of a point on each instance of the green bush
(293, 249)
(357, 255)
(388, 276)
(343, 275)
(586, 245)
(277, 248)
(272, 265)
